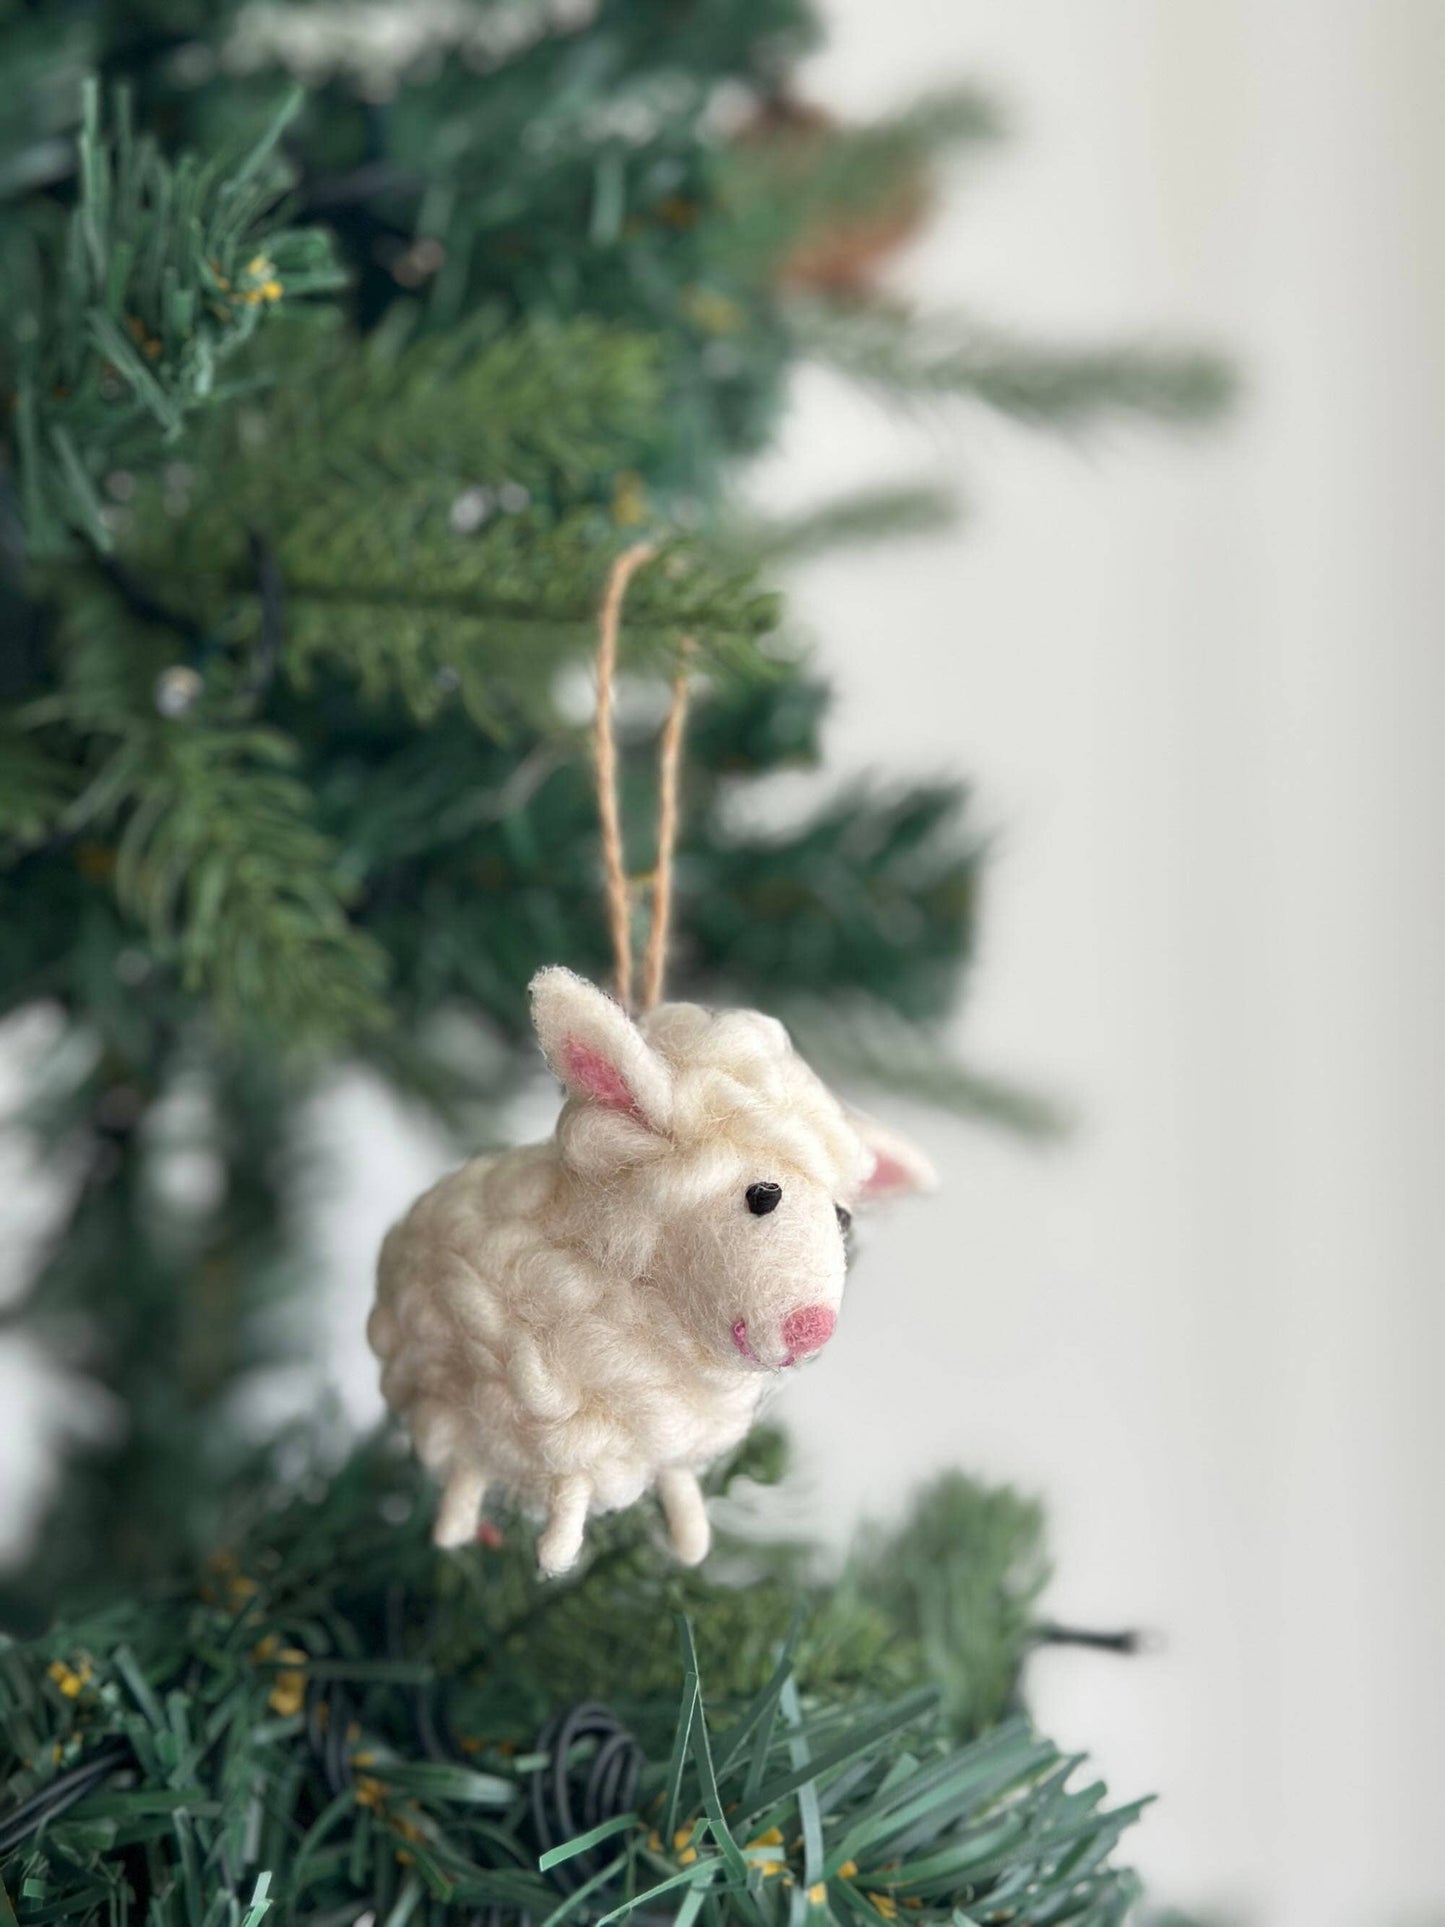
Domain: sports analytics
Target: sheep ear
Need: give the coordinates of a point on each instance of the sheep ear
(597, 1051)
(899, 1168)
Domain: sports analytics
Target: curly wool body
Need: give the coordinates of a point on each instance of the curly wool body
(580, 1320)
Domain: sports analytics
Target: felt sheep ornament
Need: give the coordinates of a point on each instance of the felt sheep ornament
(582, 1320)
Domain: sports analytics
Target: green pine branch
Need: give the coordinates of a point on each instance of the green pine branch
(886, 514)
(875, 889)
(218, 860)
(441, 516)
(340, 1718)
(961, 1576)
(36, 790)
(171, 1302)
(121, 312)
(912, 359)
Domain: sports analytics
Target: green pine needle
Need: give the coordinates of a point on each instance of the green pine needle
(118, 315)
(340, 1719)
(1062, 388)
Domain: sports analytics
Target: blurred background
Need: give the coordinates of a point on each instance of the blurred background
(1203, 720)
(1196, 683)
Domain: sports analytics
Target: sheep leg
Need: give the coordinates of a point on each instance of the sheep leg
(687, 1521)
(561, 1541)
(456, 1520)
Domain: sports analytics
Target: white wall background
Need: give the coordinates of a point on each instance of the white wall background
(1198, 687)
(1201, 690)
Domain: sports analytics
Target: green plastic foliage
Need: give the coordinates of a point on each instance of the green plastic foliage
(341, 1719)
(35, 790)
(440, 514)
(119, 313)
(1061, 388)
(961, 1577)
(221, 866)
(209, 818)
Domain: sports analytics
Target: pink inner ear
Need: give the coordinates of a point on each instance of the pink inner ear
(597, 1077)
(889, 1174)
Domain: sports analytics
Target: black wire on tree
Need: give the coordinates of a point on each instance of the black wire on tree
(271, 592)
(590, 1773)
(430, 1718)
(61, 1793)
(1127, 1643)
(328, 1732)
(142, 604)
(570, 1796)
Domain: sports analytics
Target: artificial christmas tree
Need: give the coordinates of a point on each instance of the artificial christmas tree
(344, 350)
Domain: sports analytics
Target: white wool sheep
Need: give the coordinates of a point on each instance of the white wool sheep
(580, 1320)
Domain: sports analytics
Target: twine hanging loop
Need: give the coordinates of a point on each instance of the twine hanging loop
(609, 814)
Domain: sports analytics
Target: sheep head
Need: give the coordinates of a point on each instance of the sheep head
(707, 1159)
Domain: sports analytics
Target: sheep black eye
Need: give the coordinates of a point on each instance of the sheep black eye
(763, 1198)
(845, 1217)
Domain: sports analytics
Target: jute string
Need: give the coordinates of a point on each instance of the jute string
(669, 770)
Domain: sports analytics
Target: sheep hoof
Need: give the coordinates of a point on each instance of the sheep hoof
(687, 1520)
(456, 1520)
(561, 1542)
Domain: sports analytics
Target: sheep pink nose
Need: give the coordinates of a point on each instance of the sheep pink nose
(809, 1328)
